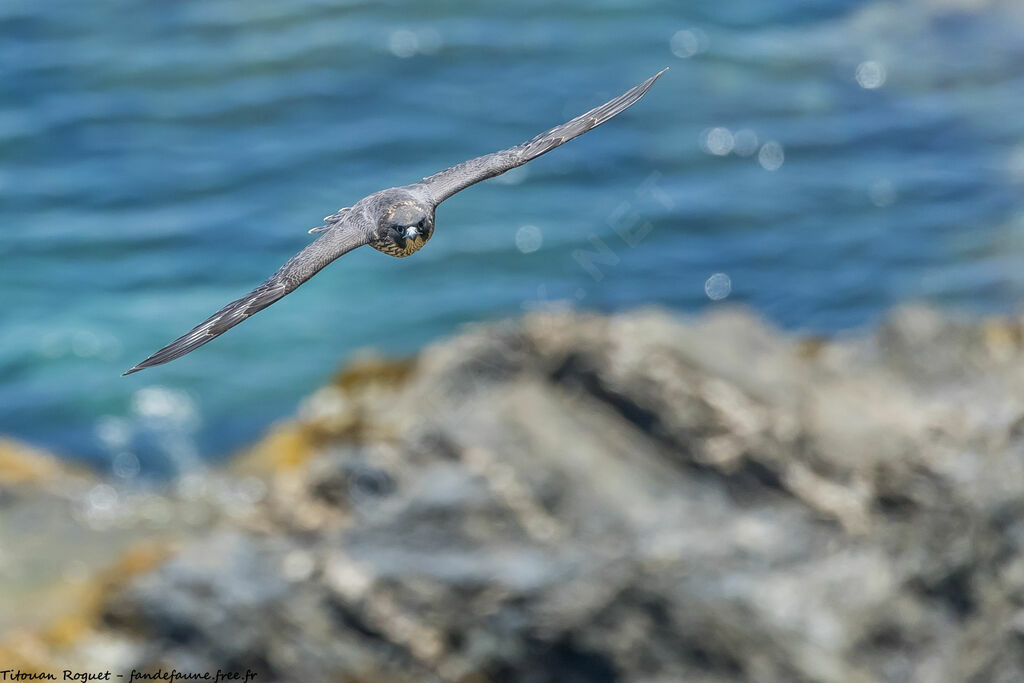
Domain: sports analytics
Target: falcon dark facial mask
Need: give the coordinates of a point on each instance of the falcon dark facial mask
(397, 221)
(405, 225)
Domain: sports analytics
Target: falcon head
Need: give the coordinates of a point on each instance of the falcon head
(404, 227)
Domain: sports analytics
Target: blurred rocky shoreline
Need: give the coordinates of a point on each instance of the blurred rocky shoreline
(567, 497)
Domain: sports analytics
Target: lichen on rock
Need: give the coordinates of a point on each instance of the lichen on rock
(605, 498)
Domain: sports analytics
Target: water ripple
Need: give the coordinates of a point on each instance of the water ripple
(159, 159)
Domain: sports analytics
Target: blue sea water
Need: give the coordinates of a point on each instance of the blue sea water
(157, 160)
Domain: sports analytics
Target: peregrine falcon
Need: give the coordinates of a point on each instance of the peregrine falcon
(397, 221)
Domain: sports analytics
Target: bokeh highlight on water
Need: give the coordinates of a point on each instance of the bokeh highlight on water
(819, 162)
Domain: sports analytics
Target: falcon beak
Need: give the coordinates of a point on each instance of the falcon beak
(411, 233)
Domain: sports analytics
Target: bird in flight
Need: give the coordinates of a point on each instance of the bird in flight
(397, 221)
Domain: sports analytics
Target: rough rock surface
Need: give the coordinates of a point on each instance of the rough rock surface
(627, 498)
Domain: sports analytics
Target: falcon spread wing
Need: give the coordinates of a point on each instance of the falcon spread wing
(444, 184)
(349, 229)
(334, 242)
